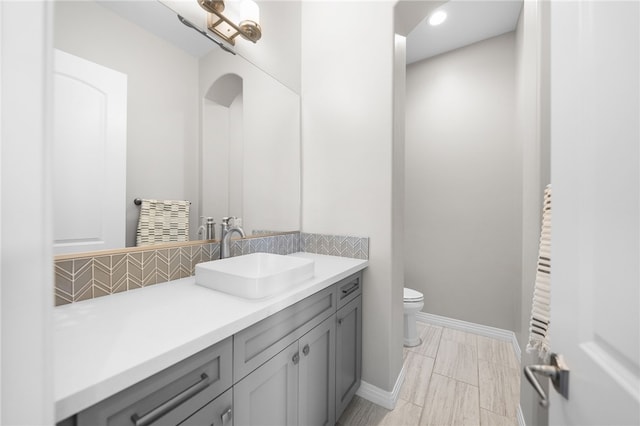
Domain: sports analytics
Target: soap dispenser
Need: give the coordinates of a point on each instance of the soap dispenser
(210, 227)
(207, 229)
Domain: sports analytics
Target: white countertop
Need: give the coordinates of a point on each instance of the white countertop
(104, 345)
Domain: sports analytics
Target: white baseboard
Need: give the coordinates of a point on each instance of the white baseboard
(380, 396)
(483, 330)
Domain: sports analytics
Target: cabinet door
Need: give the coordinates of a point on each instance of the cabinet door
(269, 395)
(348, 353)
(317, 375)
(258, 343)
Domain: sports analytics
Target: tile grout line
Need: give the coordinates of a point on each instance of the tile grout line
(424, 403)
(478, 376)
(499, 364)
(93, 278)
(439, 341)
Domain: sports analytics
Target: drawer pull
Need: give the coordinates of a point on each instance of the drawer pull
(172, 403)
(305, 350)
(348, 291)
(296, 358)
(226, 417)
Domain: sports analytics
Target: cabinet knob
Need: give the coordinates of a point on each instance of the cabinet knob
(305, 350)
(296, 358)
(226, 416)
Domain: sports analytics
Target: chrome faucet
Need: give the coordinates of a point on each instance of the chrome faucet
(225, 235)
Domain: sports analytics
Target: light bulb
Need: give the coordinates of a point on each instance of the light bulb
(437, 18)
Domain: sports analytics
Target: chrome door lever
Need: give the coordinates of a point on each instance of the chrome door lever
(558, 372)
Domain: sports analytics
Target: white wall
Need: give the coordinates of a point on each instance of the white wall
(463, 184)
(26, 376)
(162, 128)
(235, 166)
(215, 147)
(532, 85)
(398, 185)
(347, 136)
(268, 164)
(278, 51)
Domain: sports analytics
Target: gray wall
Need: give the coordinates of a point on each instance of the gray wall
(463, 184)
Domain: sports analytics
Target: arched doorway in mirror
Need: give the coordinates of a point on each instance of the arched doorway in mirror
(223, 148)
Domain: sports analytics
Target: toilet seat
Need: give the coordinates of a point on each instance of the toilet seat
(411, 295)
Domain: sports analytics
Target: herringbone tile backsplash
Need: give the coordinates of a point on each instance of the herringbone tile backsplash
(87, 277)
(335, 245)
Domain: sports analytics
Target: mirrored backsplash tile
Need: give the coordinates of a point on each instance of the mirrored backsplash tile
(85, 278)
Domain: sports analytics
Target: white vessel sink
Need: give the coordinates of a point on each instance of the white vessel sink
(254, 276)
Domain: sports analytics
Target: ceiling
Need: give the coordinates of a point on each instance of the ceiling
(158, 18)
(468, 22)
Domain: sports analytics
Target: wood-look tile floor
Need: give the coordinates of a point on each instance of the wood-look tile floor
(452, 378)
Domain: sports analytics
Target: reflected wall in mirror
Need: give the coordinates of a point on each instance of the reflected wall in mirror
(214, 130)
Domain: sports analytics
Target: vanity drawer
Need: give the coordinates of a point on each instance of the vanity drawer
(169, 397)
(348, 289)
(257, 344)
(216, 413)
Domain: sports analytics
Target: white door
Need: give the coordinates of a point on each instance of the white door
(595, 156)
(89, 155)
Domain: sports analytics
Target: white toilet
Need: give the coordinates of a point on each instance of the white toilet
(413, 303)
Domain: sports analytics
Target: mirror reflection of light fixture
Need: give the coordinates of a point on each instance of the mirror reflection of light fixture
(437, 18)
(245, 12)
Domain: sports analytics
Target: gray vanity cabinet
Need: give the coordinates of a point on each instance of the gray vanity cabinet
(317, 375)
(313, 378)
(295, 387)
(172, 396)
(299, 366)
(348, 353)
(348, 340)
(255, 345)
(269, 395)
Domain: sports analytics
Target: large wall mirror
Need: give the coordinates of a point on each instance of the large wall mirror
(139, 116)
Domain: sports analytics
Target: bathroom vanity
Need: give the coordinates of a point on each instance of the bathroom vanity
(178, 353)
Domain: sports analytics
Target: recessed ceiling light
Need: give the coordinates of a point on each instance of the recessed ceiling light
(437, 18)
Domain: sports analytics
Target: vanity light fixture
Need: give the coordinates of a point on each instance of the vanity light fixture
(437, 17)
(245, 12)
